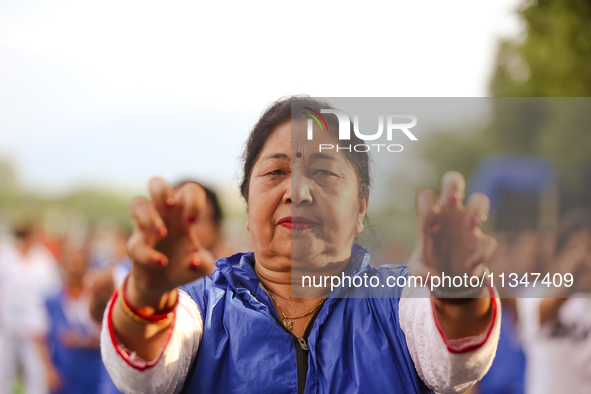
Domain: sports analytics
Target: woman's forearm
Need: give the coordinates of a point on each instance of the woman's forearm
(444, 364)
(146, 340)
(148, 360)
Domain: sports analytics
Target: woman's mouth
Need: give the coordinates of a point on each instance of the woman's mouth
(297, 223)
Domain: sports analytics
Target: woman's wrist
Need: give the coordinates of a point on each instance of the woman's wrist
(456, 307)
(152, 301)
(470, 318)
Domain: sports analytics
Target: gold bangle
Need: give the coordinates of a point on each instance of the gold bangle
(135, 316)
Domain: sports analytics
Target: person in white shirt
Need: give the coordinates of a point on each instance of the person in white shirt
(28, 276)
(556, 331)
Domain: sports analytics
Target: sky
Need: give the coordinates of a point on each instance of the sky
(108, 93)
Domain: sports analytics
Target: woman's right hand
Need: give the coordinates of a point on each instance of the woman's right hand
(164, 247)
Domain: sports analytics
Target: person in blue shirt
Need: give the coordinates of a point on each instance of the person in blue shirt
(507, 373)
(73, 337)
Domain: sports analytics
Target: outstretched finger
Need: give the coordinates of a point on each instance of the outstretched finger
(161, 194)
(477, 209)
(453, 189)
(148, 220)
(142, 253)
(191, 196)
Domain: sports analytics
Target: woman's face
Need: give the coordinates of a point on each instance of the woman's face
(303, 205)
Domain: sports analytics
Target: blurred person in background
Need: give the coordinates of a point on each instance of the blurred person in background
(209, 229)
(102, 284)
(28, 276)
(52, 243)
(73, 336)
(517, 253)
(556, 331)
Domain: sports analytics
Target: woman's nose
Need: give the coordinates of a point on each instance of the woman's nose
(300, 191)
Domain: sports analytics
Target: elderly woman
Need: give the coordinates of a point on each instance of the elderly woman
(181, 324)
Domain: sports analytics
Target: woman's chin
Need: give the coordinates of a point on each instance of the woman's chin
(303, 249)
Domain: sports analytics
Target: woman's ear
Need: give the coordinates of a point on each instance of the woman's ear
(363, 204)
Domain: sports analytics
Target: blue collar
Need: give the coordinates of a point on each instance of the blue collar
(239, 271)
(240, 268)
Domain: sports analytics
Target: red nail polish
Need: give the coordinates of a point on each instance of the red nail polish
(195, 263)
(192, 218)
(161, 231)
(453, 197)
(160, 261)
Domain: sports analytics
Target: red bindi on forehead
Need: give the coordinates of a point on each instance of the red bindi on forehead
(298, 155)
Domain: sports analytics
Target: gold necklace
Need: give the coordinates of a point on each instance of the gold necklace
(287, 321)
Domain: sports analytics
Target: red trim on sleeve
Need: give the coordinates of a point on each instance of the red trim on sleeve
(131, 358)
(154, 318)
(470, 346)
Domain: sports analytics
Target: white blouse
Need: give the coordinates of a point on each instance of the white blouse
(446, 366)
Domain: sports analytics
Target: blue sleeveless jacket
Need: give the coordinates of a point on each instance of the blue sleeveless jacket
(355, 344)
(79, 367)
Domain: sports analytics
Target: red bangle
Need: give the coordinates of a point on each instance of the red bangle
(149, 318)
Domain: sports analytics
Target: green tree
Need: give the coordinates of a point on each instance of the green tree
(7, 176)
(551, 59)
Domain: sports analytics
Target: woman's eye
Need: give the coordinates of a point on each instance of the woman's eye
(276, 172)
(323, 172)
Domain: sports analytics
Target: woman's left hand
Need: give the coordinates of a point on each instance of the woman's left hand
(449, 239)
(450, 242)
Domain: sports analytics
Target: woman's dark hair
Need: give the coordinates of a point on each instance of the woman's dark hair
(281, 112)
(573, 222)
(211, 197)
